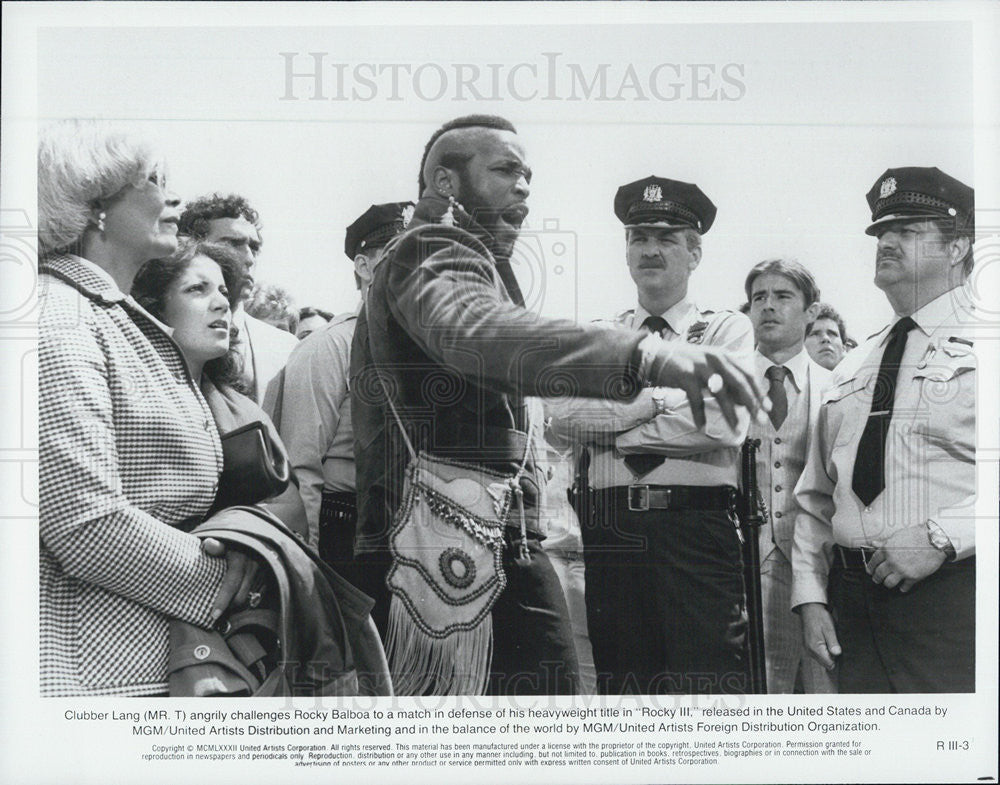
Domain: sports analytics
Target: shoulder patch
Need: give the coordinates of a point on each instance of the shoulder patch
(696, 332)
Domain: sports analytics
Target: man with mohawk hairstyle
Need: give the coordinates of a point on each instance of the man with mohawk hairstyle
(445, 349)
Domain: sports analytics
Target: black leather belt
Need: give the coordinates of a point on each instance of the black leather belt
(344, 500)
(640, 498)
(851, 558)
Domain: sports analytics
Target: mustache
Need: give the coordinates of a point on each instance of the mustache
(882, 255)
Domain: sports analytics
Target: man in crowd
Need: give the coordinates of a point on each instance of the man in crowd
(884, 555)
(664, 583)
(310, 320)
(313, 414)
(783, 298)
(231, 221)
(445, 328)
(826, 337)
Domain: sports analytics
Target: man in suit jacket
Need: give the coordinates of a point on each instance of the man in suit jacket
(783, 300)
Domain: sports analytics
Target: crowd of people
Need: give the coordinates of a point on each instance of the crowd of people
(615, 562)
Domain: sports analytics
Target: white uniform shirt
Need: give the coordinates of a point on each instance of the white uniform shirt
(708, 456)
(930, 462)
(315, 417)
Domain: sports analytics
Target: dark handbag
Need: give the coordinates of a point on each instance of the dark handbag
(254, 468)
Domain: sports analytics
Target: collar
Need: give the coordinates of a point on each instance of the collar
(798, 367)
(678, 316)
(85, 276)
(939, 311)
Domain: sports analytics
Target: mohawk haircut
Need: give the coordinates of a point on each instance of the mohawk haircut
(468, 121)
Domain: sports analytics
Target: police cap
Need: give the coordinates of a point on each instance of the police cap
(920, 193)
(669, 204)
(378, 224)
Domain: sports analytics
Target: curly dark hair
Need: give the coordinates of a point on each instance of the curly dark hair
(197, 213)
(155, 277)
(468, 121)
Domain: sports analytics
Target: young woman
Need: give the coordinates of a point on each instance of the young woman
(193, 293)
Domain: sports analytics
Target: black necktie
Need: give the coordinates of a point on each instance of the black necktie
(655, 324)
(779, 398)
(644, 463)
(869, 465)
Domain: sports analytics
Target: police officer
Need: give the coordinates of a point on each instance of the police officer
(664, 588)
(313, 410)
(883, 544)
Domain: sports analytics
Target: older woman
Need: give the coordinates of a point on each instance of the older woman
(193, 292)
(127, 445)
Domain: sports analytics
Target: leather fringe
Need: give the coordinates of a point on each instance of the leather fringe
(458, 664)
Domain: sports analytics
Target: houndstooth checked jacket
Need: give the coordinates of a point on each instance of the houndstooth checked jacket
(128, 449)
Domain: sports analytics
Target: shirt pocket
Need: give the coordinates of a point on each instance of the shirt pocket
(946, 407)
(848, 405)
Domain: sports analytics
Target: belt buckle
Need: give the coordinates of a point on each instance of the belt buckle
(638, 498)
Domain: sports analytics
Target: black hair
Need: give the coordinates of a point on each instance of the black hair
(197, 213)
(456, 161)
(828, 312)
(153, 281)
(308, 312)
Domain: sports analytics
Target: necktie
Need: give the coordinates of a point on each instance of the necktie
(869, 465)
(655, 324)
(644, 463)
(779, 398)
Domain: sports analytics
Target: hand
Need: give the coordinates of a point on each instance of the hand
(692, 368)
(818, 634)
(905, 558)
(241, 569)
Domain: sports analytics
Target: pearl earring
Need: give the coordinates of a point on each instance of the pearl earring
(100, 221)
